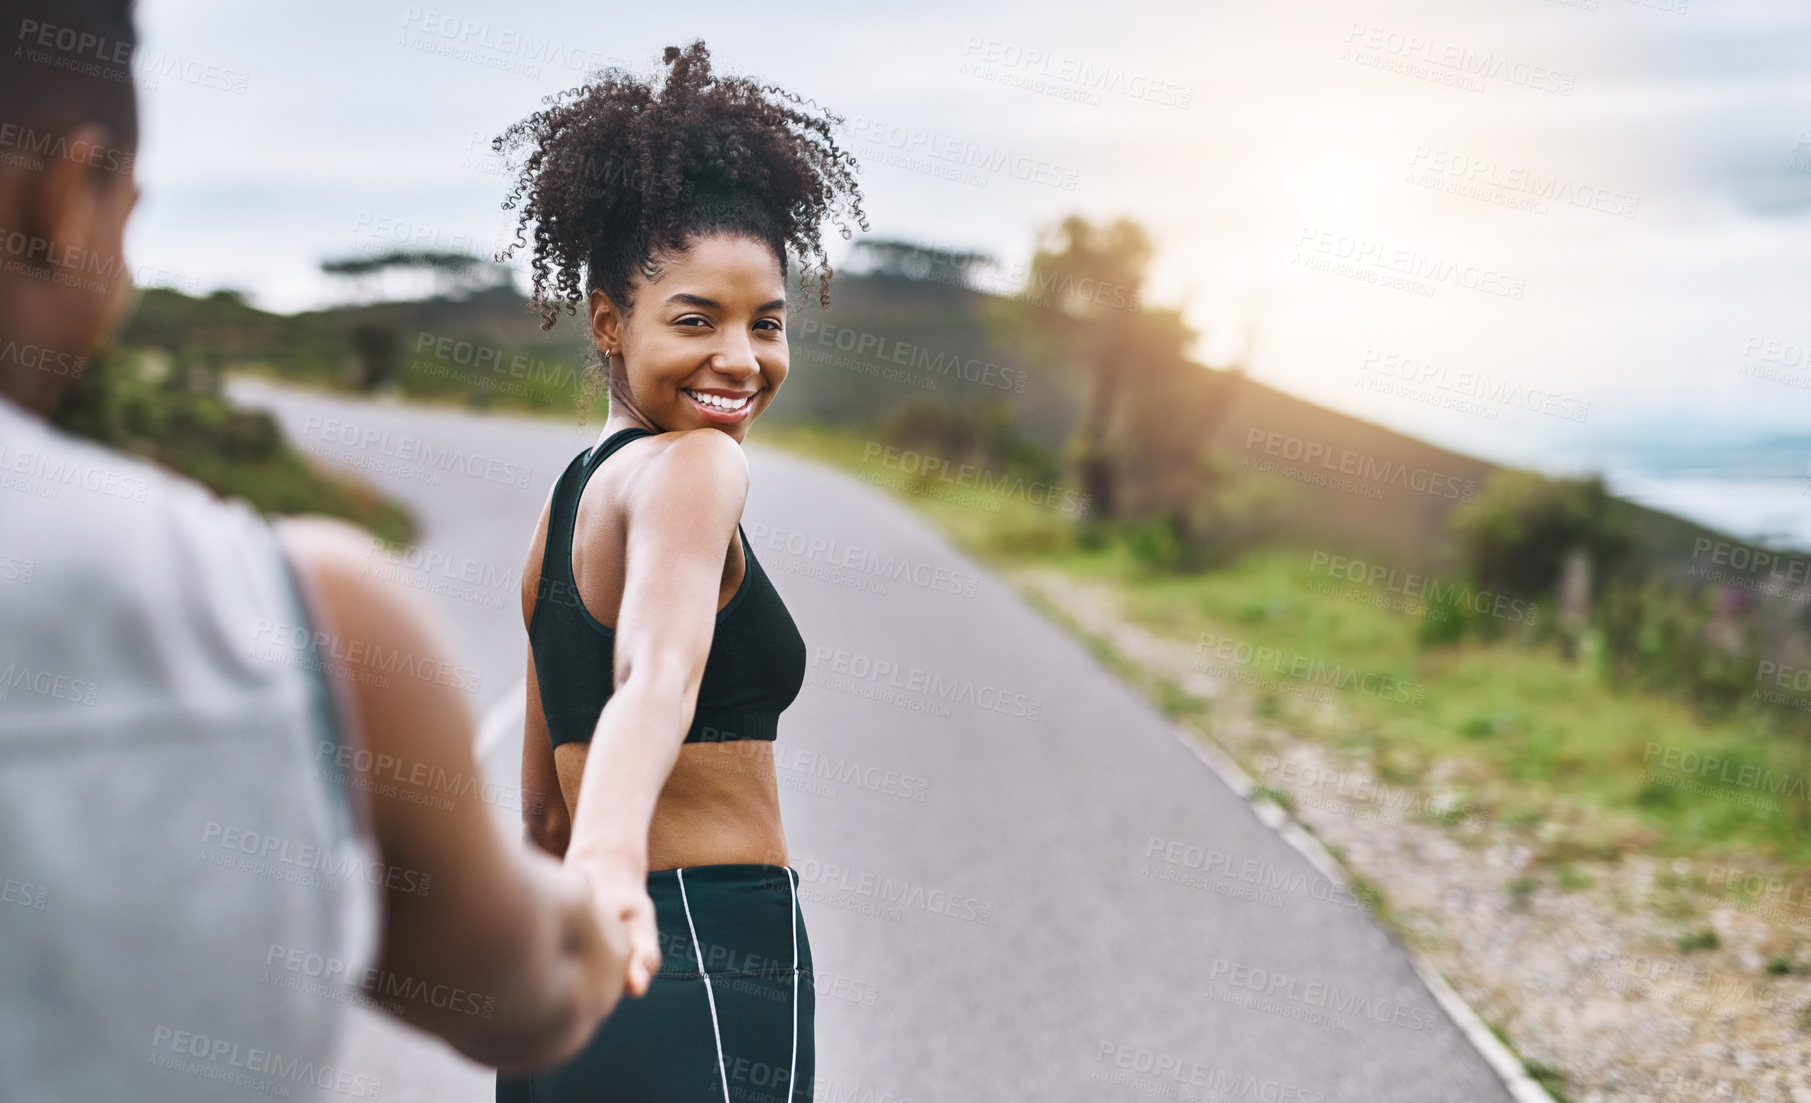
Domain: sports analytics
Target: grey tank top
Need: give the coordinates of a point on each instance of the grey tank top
(185, 882)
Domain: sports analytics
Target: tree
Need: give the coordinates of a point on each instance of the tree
(1080, 303)
(378, 349)
(453, 274)
(911, 261)
(1519, 535)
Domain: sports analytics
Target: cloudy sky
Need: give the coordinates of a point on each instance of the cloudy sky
(1533, 230)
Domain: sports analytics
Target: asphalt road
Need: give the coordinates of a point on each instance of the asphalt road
(1018, 883)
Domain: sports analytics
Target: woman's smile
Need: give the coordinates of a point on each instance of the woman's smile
(722, 407)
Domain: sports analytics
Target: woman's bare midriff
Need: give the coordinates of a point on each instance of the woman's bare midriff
(721, 804)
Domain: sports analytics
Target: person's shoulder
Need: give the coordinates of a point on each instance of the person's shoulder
(696, 476)
(695, 457)
(103, 508)
(144, 578)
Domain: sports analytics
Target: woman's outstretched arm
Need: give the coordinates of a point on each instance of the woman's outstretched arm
(682, 507)
(471, 912)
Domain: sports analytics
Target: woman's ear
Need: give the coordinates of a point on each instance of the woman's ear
(606, 324)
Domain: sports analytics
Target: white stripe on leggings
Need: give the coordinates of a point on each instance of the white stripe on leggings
(791, 1073)
(699, 955)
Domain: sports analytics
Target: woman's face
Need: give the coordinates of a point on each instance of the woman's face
(705, 344)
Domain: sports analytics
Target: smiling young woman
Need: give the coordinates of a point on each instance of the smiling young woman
(660, 655)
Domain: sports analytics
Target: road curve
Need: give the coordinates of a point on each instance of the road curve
(1018, 883)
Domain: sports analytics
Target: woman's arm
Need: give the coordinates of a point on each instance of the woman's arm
(544, 815)
(543, 805)
(495, 921)
(682, 508)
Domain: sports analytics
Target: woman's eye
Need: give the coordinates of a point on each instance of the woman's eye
(689, 318)
(773, 326)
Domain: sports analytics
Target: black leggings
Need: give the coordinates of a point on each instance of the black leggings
(728, 1019)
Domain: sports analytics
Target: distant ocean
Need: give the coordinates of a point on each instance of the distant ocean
(1775, 512)
(1758, 491)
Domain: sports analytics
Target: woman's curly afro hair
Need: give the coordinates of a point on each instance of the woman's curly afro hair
(620, 172)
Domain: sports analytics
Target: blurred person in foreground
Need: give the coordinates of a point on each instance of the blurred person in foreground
(211, 839)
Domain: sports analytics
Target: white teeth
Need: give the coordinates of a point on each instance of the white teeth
(717, 403)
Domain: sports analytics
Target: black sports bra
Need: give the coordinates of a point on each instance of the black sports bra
(756, 663)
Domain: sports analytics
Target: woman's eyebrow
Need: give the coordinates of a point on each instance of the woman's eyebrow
(690, 299)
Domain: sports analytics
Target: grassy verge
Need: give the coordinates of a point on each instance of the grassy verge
(1518, 733)
(132, 401)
